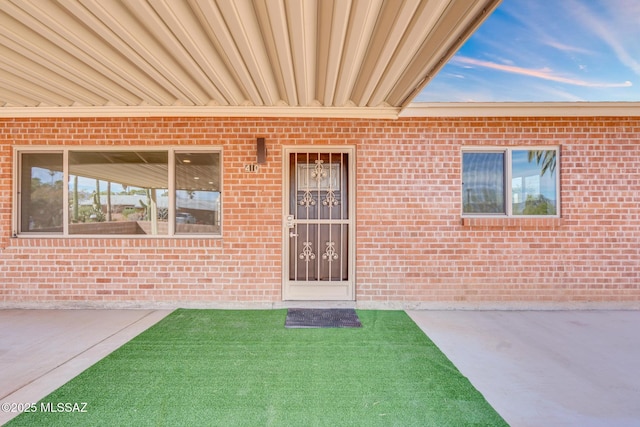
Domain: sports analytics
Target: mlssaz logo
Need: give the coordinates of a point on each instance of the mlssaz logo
(63, 407)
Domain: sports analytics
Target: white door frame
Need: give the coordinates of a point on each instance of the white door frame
(293, 290)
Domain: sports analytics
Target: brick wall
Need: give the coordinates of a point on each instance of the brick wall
(412, 244)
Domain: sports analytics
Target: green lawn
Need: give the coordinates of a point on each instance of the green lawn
(244, 368)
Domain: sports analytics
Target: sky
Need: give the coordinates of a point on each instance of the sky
(547, 51)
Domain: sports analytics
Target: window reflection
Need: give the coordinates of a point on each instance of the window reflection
(118, 192)
(197, 192)
(483, 183)
(41, 205)
(533, 183)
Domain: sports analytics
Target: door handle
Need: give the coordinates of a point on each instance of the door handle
(292, 234)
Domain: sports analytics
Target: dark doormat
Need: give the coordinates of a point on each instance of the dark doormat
(322, 318)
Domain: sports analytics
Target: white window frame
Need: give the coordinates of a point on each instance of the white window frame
(171, 151)
(508, 179)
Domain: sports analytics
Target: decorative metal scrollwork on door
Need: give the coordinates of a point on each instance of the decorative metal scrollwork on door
(307, 252)
(330, 199)
(330, 253)
(307, 199)
(318, 172)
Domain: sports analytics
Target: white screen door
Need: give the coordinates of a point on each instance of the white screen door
(319, 224)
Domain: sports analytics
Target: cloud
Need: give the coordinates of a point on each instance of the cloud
(567, 48)
(544, 73)
(610, 29)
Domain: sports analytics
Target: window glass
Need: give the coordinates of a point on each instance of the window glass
(483, 183)
(511, 182)
(118, 192)
(41, 193)
(197, 192)
(533, 182)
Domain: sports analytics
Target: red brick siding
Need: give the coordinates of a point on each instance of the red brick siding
(412, 244)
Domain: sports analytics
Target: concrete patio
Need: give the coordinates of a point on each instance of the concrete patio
(537, 368)
(546, 368)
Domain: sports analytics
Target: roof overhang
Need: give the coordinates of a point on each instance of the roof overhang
(331, 58)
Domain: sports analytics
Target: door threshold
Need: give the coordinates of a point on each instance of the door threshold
(314, 304)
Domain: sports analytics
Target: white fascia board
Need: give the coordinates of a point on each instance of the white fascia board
(437, 109)
(521, 109)
(390, 113)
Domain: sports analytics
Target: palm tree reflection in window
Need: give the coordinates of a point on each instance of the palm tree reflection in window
(541, 205)
(545, 158)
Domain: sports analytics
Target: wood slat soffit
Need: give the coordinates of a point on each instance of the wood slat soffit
(230, 55)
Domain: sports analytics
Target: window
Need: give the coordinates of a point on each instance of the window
(510, 181)
(41, 193)
(156, 192)
(197, 192)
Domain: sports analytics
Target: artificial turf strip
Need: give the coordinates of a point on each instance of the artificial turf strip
(244, 368)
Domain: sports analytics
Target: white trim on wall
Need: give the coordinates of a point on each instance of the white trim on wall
(521, 109)
(212, 111)
(416, 109)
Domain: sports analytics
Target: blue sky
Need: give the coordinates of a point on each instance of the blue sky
(547, 51)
